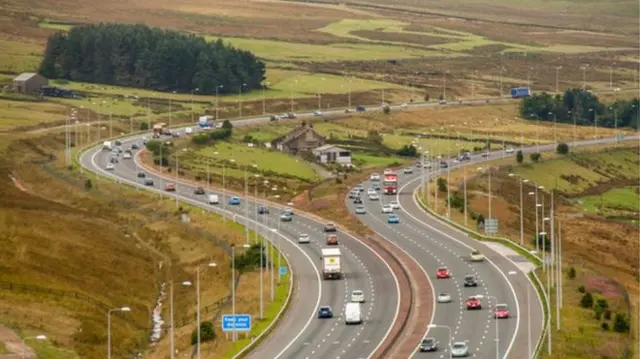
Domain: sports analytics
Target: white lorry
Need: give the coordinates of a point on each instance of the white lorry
(107, 145)
(353, 313)
(331, 265)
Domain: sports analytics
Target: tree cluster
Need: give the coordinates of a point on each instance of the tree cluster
(250, 259)
(221, 134)
(582, 108)
(144, 57)
(408, 151)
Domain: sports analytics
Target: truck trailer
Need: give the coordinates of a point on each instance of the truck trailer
(331, 264)
(520, 92)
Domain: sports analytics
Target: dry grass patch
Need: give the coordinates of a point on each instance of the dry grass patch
(21, 114)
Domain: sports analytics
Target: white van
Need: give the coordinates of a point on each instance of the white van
(188, 131)
(213, 199)
(353, 313)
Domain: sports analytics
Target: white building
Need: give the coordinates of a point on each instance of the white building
(333, 154)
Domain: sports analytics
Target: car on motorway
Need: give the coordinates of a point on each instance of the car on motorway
(474, 302)
(325, 312)
(361, 210)
(387, 171)
(374, 177)
(465, 157)
(286, 217)
(317, 113)
(198, 190)
(353, 194)
(371, 191)
(127, 155)
(110, 167)
(444, 298)
(394, 205)
(263, 210)
(332, 240)
(428, 345)
(359, 188)
(443, 273)
(170, 187)
(357, 296)
(357, 200)
(142, 175)
(353, 313)
(113, 159)
(376, 187)
(393, 219)
(214, 199)
(330, 227)
(288, 210)
(374, 197)
(460, 350)
(387, 209)
(470, 280)
(443, 164)
(408, 170)
(485, 154)
(442, 102)
(509, 150)
(304, 238)
(476, 256)
(148, 182)
(234, 201)
(501, 311)
(134, 146)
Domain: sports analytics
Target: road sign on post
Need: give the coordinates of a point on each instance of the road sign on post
(242, 323)
(491, 225)
(283, 270)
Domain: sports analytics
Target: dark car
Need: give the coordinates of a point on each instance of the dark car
(428, 345)
(263, 210)
(470, 281)
(142, 175)
(325, 312)
(148, 182)
(357, 200)
(199, 190)
(360, 108)
(443, 164)
(134, 146)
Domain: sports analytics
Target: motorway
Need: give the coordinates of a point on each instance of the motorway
(502, 278)
(300, 334)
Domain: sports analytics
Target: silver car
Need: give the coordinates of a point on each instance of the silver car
(444, 298)
(360, 210)
(459, 349)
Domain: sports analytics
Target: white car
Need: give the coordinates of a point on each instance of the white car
(288, 210)
(374, 197)
(388, 171)
(371, 191)
(509, 150)
(127, 155)
(374, 177)
(110, 167)
(304, 238)
(444, 298)
(387, 209)
(408, 170)
(476, 256)
(361, 210)
(404, 105)
(394, 205)
(357, 296)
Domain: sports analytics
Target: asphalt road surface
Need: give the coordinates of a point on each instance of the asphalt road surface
(300, 334)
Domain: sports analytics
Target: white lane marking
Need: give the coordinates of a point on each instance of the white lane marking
(199, 204)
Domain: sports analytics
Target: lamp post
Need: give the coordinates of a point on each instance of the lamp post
(264, 99)
(615, 124)
(37, 337)
(210, 265)
(224, 182)
(217, 96)
(266, 183)
(448, 328)
(177, 175)
(557, 76)
(555, 136)
(121, 309)
(240, 100)
(172, 330)
(521, 180)
(192, 91)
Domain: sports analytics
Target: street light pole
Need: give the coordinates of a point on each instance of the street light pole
(233, 289)
(217, 95)
(121, 309)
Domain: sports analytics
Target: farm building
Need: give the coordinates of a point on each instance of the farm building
(301, 139)
(29, 83)
(333, 154)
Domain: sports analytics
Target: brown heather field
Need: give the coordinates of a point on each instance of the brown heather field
(604, 252)
(114, 251)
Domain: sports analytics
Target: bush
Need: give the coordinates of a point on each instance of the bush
(587, 300)
(386, 110)
(535, 157)
(581, 289)
(144, 126)
(250, 259)
(572, 273)
(207, 333)
(88, 184)
(602, 303)
(607, 314)
(519, 157)
(597, 312)
(227, 125)
(407, 151)
(605, 326)
(621, 323)
(442, 184)
(480, 220)
(562, 148)
(543, 238)
(457, 201)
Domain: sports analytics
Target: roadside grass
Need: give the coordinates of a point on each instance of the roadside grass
(266, 160)
(16, 114)
(616, 202)
(365, 161)
(53, 25)
(3, 349)
(289, 51)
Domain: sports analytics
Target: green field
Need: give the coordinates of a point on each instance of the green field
(14, 114)
(19, 56)
(577, 173)
(625, 198)
(246, 156)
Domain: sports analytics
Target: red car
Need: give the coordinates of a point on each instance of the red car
(474, 303)
(443, 273)
(501, 311)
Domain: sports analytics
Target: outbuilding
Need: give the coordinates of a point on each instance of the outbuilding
(29, 83)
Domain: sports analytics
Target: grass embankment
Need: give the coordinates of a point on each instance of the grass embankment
(600, 249)
(56, 230)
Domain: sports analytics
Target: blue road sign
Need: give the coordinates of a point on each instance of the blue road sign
(242, 323)
(283, 270)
